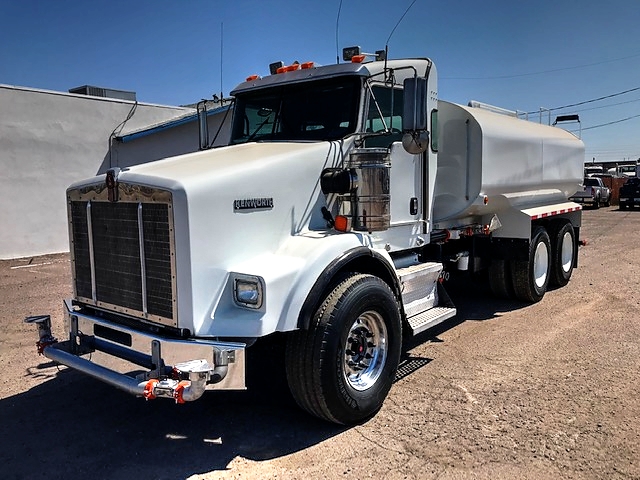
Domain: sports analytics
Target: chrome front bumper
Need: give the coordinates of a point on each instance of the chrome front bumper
(142, 363)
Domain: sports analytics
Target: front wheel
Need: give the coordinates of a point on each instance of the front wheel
(342, 368)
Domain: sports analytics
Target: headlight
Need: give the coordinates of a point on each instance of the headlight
(248, 291)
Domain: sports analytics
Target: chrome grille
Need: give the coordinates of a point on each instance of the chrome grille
(122, 253)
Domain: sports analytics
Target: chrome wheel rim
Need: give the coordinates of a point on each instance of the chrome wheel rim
(566, 252)
(365, 350)
(540, 264)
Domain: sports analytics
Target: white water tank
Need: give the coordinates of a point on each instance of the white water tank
(482, 153)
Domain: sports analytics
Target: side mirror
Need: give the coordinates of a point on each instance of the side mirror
(203, 127)
(414, 118)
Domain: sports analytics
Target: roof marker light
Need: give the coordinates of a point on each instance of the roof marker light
(288, 68)
(307, 65)
(251, 78)
(358, 58)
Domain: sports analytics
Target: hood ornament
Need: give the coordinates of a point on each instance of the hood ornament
(112, 184)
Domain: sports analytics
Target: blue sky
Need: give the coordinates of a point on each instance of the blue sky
(514, 54)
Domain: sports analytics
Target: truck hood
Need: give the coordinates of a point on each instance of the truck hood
(217, 164)
(232, 207)
(252, 194)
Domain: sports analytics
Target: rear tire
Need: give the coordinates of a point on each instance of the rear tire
(500, 281)
(531, 277)
(342, 368)
(563, 247)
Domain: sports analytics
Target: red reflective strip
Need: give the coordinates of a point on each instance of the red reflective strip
(556, 212)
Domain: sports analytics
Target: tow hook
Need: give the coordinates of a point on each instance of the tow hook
(43, 322)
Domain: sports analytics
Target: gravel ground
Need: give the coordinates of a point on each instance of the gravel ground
(504, 390)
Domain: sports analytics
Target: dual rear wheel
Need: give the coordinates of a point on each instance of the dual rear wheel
(549, 263)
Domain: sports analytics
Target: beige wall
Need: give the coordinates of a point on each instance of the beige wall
(49, 140)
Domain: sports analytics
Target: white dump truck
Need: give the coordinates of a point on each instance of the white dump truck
(344, 199)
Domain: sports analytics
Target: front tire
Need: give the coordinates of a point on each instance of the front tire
(531, 277)
(342, 368)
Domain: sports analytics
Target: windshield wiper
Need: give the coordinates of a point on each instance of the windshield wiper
(255, 132)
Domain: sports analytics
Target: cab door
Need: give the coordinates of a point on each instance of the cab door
(384, 121)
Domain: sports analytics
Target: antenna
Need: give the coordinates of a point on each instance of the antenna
(337, 43)
(221, 45)
(401, 18)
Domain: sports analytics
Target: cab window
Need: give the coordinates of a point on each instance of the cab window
(384, 116)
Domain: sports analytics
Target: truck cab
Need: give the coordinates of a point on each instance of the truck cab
(356, 106)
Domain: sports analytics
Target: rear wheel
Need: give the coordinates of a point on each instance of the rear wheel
(531, 277)
(342, 368)
(500, 281)
(563, 246)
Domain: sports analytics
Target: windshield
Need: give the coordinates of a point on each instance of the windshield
(318, 110)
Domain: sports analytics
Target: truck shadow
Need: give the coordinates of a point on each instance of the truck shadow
(72, 426)
(475, 301)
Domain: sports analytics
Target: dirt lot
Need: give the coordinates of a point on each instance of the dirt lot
(504, 391)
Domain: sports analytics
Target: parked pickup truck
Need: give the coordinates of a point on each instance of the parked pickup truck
(630, 193)
(594, 193)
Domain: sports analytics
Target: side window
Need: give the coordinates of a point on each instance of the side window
(385, 109)
(388, 103)
(434, 130)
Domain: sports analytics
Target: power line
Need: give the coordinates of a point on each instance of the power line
(517, 75)
(588, 101)
(611, 123)
(612, 151)
(604, 106)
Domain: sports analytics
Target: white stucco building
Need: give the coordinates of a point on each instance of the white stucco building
(50, 139)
